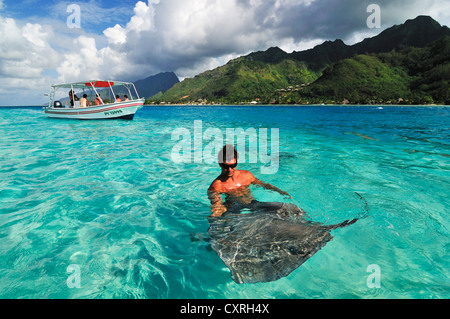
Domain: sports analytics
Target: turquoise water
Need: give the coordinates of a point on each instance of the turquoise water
(107, 197)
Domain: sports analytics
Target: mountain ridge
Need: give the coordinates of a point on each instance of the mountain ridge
(262, 75)
(154, 84)
(416, 32)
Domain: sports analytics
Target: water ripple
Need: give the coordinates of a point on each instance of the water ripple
(107, 197)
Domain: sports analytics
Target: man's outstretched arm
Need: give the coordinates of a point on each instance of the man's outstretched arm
(270, 187)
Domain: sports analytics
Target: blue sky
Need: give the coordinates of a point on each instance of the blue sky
(99, 14)
(130, 40)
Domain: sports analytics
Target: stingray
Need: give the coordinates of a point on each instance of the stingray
(268, 241)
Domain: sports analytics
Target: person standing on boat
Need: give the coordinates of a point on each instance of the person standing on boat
(118, 98)
(98, 100)
(73, 97)
(125, 97)
(84, 102)
(235, 185)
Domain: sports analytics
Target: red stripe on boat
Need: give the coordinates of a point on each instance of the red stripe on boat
(94, 111)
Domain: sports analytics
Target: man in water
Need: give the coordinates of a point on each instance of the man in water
(234, 184)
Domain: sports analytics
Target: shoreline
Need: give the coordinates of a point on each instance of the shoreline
(305, 105)
(257, 105)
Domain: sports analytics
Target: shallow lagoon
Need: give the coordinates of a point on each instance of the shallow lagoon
(108, 198)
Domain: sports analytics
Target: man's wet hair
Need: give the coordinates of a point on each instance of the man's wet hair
(227, 154)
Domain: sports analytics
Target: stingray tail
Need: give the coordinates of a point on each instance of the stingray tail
(343, 224)
(352, 221)
(366, 206)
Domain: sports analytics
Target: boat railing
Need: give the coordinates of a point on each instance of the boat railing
(108, 85)
(77, 104)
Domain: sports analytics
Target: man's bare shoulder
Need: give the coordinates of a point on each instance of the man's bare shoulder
(246, 176)
(215, 186)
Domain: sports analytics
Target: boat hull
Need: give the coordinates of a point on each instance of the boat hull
(121, 110)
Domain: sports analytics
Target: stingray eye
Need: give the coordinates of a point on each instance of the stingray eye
(296, 251)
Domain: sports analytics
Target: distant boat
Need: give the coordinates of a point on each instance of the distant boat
(73, 110)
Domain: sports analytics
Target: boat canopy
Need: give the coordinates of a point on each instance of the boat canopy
(93, 83)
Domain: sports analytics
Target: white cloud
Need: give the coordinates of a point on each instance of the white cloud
(84, 62)
(143, 16)
(185, 36)
(179, 35)
(24, 52)
(116, 35)
(190, 36)
(34, 34)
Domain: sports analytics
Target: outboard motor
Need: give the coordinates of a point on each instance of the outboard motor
(57, 104)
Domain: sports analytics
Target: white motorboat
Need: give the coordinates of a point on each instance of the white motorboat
(68, 105)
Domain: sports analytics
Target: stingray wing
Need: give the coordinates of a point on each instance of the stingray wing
(266, 245)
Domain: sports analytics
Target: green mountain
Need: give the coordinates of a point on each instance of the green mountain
(412, 75)
(358, 79)
(408, 61)
(241, 79)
